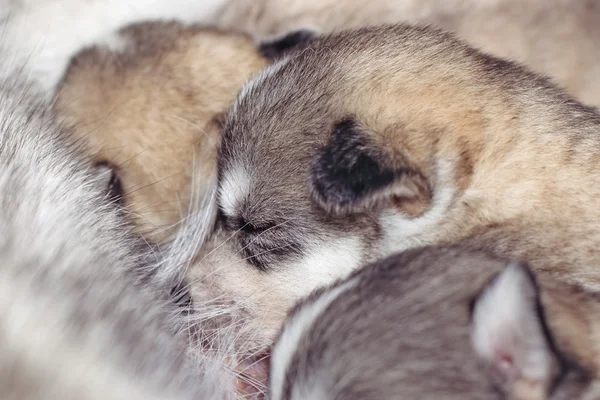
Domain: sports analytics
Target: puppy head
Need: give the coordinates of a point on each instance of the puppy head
(439, 323)
(149, 106)
(335, 155)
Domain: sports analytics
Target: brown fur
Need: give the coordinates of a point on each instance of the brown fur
(150, 110)
(553, 37)
(379, 140)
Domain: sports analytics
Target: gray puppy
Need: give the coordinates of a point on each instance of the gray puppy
(440, 323)
(83, 313)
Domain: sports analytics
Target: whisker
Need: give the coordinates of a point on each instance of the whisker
(217, 270)
(210, 139)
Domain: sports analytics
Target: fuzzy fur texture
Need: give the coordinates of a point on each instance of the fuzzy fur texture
(460, 147)
(440, 323)
(292, 224)
(553, 37)
(42, 35)
(83, 312)
(151, 110)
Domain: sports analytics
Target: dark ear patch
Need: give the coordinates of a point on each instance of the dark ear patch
(352, 175)
(277, 48)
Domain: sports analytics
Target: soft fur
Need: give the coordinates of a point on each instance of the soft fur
(553, 37)
(151, 110)
(440, 323)
(42, 35)
(379, 140)
(84, 313)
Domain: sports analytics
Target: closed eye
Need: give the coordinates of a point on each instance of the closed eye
(253, 228)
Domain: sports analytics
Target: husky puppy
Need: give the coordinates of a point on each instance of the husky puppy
(42, 35)
(440, 323)
(557, 38)
(151, 111)
(83, 314)
(379, 140)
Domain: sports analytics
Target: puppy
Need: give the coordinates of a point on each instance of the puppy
(149, 113)
(150, 110)
(379, 140)
(553, 37)
(82, 315)
(440, 323)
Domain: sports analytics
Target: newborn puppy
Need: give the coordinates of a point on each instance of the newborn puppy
(440, 323)
(81, 314)
(149, 112)
(375, 141)
(557, 38)
(150, 108)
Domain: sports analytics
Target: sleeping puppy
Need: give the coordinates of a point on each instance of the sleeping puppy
(81, 313)
(553, 37)
(379, 140)
(149, 111)
(440, 323)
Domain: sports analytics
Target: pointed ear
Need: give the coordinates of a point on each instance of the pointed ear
(277, 48)
(510, 335)
(352, 174)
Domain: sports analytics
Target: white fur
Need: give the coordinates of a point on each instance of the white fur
(234, 189)
(45, 34)
(293, 331)
(401, 233)
(78, 320)
(115, 42)
(323, 265)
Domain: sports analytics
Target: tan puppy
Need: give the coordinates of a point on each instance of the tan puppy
(554, 37)
(440, 323)
(375, 141)
(147, 106)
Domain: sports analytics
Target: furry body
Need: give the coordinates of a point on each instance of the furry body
(83, 314)
(379, 140)
(440, 323)
(151, 110)
(42, 35)
(553, 37)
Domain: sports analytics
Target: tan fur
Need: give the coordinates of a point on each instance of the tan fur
(149, 109)
(453, 146)
(572, 316)
(554, 37)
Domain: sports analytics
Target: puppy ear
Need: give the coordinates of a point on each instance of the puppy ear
(352, 174)
(509, 334)
(277, 48)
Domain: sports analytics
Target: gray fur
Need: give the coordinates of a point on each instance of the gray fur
(402, 329)
(82, 314)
